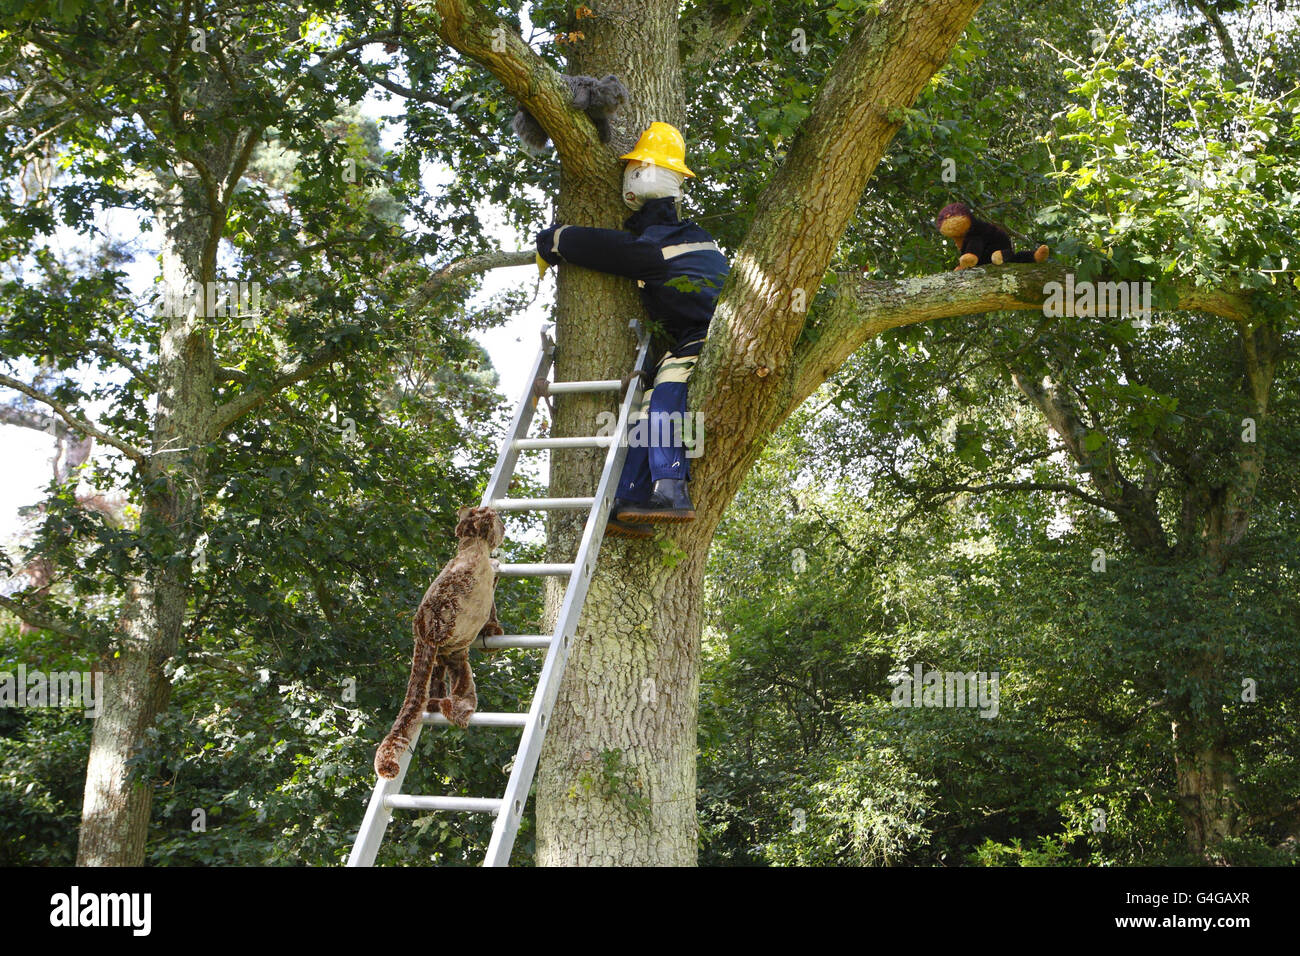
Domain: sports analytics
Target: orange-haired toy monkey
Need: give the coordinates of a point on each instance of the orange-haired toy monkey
(978, 242)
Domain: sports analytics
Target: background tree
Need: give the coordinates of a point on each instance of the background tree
(160, 111)
(1172, 452)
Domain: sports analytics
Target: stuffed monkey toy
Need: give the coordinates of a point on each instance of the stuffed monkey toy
(979, 242)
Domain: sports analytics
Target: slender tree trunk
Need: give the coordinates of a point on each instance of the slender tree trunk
(1204, 759)
(1226, 46)
(1213, 522)
(1204, 762)
(115, 810)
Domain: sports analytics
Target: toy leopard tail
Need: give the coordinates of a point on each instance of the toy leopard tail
(417, 691)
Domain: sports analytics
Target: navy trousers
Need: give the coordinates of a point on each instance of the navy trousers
(658, 430)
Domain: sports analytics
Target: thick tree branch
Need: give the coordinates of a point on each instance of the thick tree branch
(328, 59)
(1063, 487)
(249, 399)
(864, 308)
(470, 265)
(1135, 507)
(109, 350)
(527, 77)
(708, 30)
(1260, 346)
(30, 418)
(801, 216)
(375, 72)
(1063, 405)
(81, 425)
(1226, 46)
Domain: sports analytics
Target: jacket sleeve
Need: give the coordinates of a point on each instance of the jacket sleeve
(610, 250)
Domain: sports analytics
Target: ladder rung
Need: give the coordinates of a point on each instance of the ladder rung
(512, 640)
(406, 801)
(527, 570)
(479, 720)
(582, 441)
(542, 504)
(598, 385)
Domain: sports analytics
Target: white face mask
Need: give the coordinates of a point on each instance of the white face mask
(644, 181)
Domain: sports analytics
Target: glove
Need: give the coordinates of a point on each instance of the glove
(545, 240)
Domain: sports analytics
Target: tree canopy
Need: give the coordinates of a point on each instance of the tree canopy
(905, 466)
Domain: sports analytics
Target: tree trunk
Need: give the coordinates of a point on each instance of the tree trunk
(115, 810)
(617, 778)
(1207, 783)
(1204, 759)
(617, 783)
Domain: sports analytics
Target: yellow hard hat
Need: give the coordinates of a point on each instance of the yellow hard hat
(663, 146)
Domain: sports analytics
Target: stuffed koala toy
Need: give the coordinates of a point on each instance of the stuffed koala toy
(599, 99)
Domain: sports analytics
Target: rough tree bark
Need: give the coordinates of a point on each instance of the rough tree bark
(1204, 758)
(617, 779)
(616, 783)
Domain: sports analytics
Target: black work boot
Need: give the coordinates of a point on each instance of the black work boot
(668, 502)
(623, 529)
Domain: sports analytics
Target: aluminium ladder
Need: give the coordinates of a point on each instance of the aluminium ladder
(508, 810)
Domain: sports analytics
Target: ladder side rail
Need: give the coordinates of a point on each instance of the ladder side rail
(548, 685)
(378, 814)
(499, 483)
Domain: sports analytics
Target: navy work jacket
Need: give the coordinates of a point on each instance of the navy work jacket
(677, 264)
